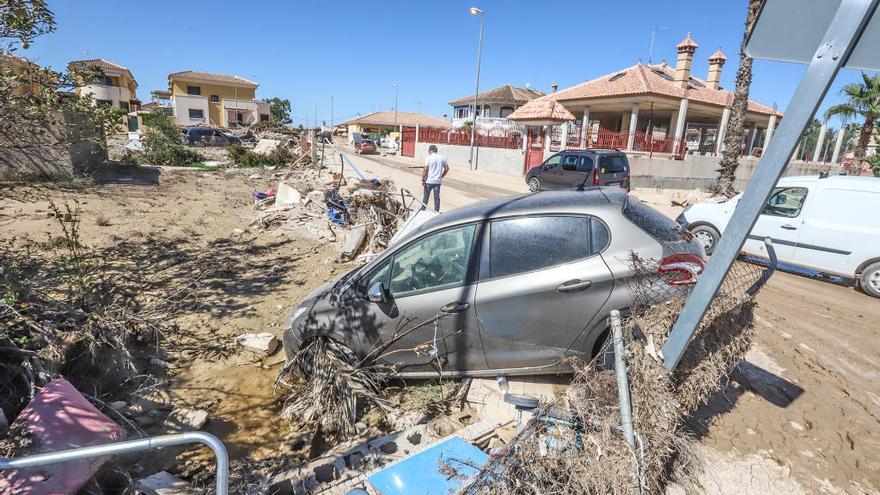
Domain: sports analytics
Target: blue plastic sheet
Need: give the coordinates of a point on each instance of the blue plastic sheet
(420, 474)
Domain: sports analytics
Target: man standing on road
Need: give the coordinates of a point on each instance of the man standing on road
(432, 175)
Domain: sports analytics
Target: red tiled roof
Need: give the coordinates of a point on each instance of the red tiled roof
(101, 64)
(687, 43)
(719, 55)
(652, 80)
(502, 94)
(543, 110)
(403, 118)
(213, 76)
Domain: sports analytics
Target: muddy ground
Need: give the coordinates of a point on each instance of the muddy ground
(800, 417)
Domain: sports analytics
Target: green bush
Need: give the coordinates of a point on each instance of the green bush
(164, 143)
(874, 162)
(244, 157)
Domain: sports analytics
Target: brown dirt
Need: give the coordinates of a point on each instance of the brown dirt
(190, 213)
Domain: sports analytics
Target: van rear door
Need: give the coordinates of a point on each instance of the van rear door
(613, 170)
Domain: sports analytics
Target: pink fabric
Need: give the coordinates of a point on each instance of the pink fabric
(60, 418)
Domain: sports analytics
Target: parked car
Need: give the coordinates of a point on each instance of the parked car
(207, 136)
(578, 168)
(523, 281)
(364, 147)
(819, 225)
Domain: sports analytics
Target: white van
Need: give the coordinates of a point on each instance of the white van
(827, 227)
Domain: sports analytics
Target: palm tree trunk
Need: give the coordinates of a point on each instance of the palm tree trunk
(735, 135)
(861, 150)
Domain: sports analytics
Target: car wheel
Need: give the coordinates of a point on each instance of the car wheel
(707, 236)
(534, 184)
(870, 280)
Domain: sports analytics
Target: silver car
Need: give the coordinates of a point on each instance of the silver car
(524, 281)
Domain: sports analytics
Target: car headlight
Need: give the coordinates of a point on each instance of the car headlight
(299, 312)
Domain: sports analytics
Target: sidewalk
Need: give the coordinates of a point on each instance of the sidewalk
(460, 186)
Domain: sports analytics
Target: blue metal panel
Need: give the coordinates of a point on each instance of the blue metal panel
(420, 474)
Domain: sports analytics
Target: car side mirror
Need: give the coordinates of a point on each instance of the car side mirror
(377, 293)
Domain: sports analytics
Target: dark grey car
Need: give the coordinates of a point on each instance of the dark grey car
(207, 136)
(526, 281)
(573, 169)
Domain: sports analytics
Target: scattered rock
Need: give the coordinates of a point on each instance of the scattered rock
(144, 420)
(231, 171)
(159, 363)
(163, 483)
(254, 176)
(286, 195)
(186, 419)
(263, 343)
(237, 232)
(796, 426)
(117, 405)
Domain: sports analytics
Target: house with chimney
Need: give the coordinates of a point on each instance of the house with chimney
(493, 106)
(645, 108)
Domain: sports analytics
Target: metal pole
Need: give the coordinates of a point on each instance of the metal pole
(395, 107)
(471, 163)
(331, 114)
(626, 419)
(839, 41)
(222, 479)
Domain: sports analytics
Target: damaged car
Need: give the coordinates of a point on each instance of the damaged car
(520, 283)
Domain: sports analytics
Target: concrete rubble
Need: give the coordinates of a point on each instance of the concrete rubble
(163, 483)
(184, 419)
(261, 343)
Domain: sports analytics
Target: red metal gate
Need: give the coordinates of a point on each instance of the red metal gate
(534, 148)
(408, 142)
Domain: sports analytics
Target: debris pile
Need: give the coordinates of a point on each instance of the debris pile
(576, 445)
(360, 217)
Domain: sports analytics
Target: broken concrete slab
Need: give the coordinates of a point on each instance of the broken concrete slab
(262, 343)
(163, 483)
(266, 146)
(354, 239)
(186, 419)
(286, 195)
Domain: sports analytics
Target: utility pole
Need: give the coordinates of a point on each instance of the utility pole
(316, 117)
(331, 113)
(395, 107)
(476, 11)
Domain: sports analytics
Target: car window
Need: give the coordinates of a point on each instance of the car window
(570, 162)
(379, 275)
(599, 236)
(786, 202)
(551, 162)
(439, 261)
(612, 164)
(652, 221)
(585, 164)
(522, 245)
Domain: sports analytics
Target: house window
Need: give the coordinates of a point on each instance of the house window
(104, 103)
(124, 105)
(194, 90)
(264, 117)
(196, 113)
(505, 111)
(108, 81)
(215, 99)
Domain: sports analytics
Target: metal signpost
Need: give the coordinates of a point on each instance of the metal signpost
(826, 34)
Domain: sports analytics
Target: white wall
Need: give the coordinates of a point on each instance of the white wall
(183, 103)
(505, 161)
(111, 93)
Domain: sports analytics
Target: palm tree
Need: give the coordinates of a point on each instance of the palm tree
(735, 135)
(863, 100)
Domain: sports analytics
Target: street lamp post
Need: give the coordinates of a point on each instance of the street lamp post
(476, 11)
(395, 108)
(331, 113)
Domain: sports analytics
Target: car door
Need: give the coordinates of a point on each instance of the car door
(551, 172)
(540, 285)
(780, 220)
(571, 176)
(430, 276)
(585, 170)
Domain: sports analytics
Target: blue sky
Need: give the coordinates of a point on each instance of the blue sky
(357, 51)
